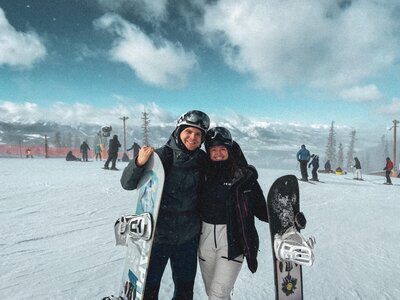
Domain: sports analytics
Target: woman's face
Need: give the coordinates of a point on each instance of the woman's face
(191, 138)
(219, 153)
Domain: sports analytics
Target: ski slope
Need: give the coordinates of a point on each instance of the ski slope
(57, 240)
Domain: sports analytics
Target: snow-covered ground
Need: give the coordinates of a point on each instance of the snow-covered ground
(57, 240)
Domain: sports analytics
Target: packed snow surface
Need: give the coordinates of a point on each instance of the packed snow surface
(57, 239)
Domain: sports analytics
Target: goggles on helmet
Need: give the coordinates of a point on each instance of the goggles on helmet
(218, 136)
(194, 118)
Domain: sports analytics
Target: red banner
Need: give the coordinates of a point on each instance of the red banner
(39, 151)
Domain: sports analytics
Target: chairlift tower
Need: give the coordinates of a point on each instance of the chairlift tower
(395, 122)
(124, 119)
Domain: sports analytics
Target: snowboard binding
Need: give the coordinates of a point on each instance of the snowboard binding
(134, 226)
(112, 297)
(291, 246)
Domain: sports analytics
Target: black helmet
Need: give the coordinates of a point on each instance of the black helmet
(194, 118)
(218, 136)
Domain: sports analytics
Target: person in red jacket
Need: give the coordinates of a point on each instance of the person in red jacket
(388, 168)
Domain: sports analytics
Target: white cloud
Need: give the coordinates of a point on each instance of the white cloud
(160, 63)
(362, 93)
(316, 43)
(149, 10)
(76, 113)
(19, 49)
(392, 110)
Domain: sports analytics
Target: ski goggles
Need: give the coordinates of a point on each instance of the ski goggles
(219, 134)
(195, 118)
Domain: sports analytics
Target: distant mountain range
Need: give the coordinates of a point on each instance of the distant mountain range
(271, 145)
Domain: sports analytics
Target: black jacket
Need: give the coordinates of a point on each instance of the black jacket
(357, 164)
(114, 145)
(245, 201)
(178, 220)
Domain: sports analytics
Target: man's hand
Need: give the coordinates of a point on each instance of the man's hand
(144, 154)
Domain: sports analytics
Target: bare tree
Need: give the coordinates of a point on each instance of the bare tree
(146, 129)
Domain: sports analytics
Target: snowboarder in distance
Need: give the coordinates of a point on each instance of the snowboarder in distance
(97, 151)
(135, 147)
(223, 244)
(71, 157)
(303, 156)
(28, 153)
(327, 166)
(357, 165)
(113, 148)
(315, 164)
(184, 162)
(388, 168)
(84, 150)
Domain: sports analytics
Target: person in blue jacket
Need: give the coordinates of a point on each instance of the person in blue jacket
(303, 156)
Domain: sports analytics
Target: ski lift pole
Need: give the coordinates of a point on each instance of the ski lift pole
(20, 148)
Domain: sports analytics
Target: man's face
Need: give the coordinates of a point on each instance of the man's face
(218, 153)
(191, 138)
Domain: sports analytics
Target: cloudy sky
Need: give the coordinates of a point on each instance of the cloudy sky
(292, 61)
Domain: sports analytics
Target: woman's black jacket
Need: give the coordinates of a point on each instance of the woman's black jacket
(245, 201)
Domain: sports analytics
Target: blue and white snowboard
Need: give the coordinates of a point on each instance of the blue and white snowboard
(147, 201)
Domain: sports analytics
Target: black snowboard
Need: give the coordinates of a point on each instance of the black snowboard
(283, 204)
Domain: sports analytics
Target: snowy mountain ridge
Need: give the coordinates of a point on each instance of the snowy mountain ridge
(271, 144)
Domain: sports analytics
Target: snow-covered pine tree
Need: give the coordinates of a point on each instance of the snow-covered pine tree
(330, 152)
(350, 152)
(340, 159)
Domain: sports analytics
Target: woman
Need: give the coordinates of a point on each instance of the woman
(231, 197)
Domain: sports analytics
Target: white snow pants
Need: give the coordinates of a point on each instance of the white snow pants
(219, 274)
(358, 174)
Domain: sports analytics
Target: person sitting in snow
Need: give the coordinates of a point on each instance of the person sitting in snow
(328, 167)
(71, 157)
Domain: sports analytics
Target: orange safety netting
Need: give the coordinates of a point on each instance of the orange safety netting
(23, 151)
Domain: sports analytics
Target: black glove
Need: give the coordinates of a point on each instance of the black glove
(300, 220)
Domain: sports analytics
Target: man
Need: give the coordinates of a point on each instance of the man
(315, 164)
(84, 150)
(303, 156)
(113, 148)
(178, 224)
